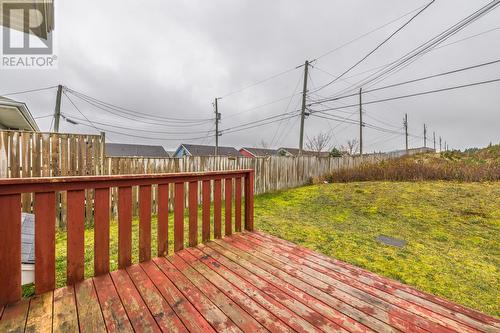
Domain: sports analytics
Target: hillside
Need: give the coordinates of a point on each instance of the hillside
(471, 165)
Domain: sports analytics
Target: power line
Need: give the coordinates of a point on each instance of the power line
(259, 121)
(454, 71)
(45, 116)
(135, 112)
(282, 136)
(378, 120)
(77, 109)
(28, 91)
(436, 75)
(320, 56)
(467, 38)
(257, 125)
(433, 49)
(378, 46)
(260, 81)
(156, 122)
(371, 126)
(367, 33)
(286, 110)
(398, 64)
(413, 95)
(136, 129)
(133, 135)
(262, 105)
(387, 138)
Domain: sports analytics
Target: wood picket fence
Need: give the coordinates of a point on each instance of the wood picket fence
(29, 154)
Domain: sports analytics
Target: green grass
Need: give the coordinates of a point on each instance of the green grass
(452, 232)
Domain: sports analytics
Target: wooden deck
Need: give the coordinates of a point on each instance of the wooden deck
(250, 282)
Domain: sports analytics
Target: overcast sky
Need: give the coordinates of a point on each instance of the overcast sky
(172, 58)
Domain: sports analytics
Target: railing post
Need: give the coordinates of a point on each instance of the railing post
(228, 195)
(10, 248)
(45, 243)
(249, 184)
(178, 216)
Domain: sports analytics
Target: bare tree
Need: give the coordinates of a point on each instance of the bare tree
(264, 144)
(318, 142)
(351, 147)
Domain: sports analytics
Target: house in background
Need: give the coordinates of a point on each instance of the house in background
(295, 152)
(15, 115)
(258, 152)
(130, 150)
(202, 150)
(27, 248)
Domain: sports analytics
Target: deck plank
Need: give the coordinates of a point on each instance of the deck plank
(347, 316)
(363, 311)
(386, 301)
(191, 318)
(390, 314)
(203, 304)
(246, 282)
(114, 314)
(266, 318)
(433, 303)
(137, 311)
(336, 320)
(165, 317)
(65, 315)
(242, 319)
(14, 317)
(89, 311)
(298, 302)
(40, 313)
(291, 318)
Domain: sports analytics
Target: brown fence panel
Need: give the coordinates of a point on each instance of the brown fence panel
(28, 154)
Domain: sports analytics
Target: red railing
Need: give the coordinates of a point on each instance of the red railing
(45, 190)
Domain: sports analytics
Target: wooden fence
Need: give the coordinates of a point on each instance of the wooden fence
(28, 154)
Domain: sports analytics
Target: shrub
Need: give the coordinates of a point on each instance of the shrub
(481, 165)
(335, 152)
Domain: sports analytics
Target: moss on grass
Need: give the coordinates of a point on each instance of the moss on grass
(452, 232)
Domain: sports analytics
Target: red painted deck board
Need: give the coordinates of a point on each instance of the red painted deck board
(247, 282)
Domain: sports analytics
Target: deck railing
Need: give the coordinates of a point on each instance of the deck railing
(46, 189)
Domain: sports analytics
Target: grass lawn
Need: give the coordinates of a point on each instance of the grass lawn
(452, 232)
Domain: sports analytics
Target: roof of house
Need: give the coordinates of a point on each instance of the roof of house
(16, 115)
(261, 151)
(201, 150)
(129, 150)
(295, 152)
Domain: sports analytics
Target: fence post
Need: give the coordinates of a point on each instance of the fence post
(249, 183)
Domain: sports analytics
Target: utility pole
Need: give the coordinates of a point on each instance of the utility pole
(425, 136)
(434, 140)
(217, 120)
(57, 110)
(360, 122)
(303, 111)
(405, 123)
